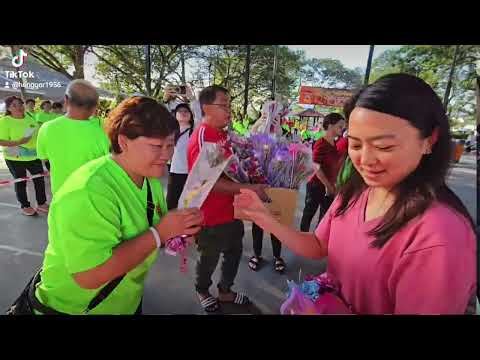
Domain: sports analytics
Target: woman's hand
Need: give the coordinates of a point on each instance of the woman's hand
(250, 204)
(190, 95)
(259, 189)
(180, 222)
(169, 93)
(24, 140)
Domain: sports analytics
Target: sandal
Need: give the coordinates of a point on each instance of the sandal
(209, 304)
(240, 299)
(279, 265)
(255, 262)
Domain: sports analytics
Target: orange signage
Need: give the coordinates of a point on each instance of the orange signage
(324, 97)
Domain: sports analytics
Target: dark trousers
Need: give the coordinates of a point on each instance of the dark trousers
(227, 239)
(314, 198)
(176, 182)
(18, 169)
(257, 235)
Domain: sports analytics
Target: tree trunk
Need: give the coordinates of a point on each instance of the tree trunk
(148, 71)
(182, 59)
(478, 99)
(79, 62)
(247, 82)
(450, 78)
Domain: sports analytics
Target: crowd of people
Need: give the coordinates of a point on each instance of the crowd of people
(397, 238)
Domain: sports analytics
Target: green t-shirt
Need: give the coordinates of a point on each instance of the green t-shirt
(68, 144)
(42, 117)
(98, 120)
(96, 209)
(12, 129)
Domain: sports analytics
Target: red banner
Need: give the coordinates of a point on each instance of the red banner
(324, 97)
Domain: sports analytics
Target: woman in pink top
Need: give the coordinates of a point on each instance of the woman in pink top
(398, 240)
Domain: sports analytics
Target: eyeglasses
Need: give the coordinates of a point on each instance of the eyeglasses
(223, 106)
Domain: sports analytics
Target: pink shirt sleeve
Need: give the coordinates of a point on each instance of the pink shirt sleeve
(437, 274)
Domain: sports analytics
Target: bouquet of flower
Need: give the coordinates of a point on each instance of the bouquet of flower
(316, 295)
(267, 159)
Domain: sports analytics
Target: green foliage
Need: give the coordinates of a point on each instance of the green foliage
(62, 58)
(330, 73)
(433, 63)
(121, 68)
(241, 126)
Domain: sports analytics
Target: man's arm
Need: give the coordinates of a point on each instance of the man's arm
(320, 174)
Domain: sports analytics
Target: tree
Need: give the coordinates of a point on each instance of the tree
(434, 64)
(330, 73)
(121, 68)
(68, 60)
(225, 65)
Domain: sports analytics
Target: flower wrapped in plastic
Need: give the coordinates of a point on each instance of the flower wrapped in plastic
(317, 295)
(209, 166)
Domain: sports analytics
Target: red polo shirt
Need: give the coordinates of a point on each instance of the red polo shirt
(329, 159)
(218, 207)
(342, 146)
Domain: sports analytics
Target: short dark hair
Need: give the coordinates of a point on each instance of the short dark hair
(208, 95)
(410, 98)
(139, 116)
(57, 105)
(8, 102)
(45, 102)
(331, 119)
(30, 101)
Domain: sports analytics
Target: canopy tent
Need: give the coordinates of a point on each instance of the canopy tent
(312, 118)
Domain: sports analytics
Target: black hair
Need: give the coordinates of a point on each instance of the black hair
(209, 94)
(185, 106)
(57, 105)
(45, 102)
(331, 119)
(8, 101)
(412, 99)
(30, 101)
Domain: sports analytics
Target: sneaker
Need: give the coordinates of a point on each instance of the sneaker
(43, 208)
(29, 211)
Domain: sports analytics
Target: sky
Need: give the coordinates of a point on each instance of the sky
(351, 56)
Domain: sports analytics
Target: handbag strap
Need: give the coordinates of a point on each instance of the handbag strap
(103, 293)
(107, 290)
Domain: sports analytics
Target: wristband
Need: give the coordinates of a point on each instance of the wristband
(156, 236)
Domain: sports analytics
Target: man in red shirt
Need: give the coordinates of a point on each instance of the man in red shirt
(221, 233)
(321, 187)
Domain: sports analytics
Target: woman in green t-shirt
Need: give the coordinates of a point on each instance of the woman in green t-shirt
(110, 216)
(18, 136)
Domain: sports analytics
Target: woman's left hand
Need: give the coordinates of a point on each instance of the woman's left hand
(251, 205)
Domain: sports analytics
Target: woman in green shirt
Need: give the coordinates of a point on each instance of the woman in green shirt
(110, 216)
(18, 137)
